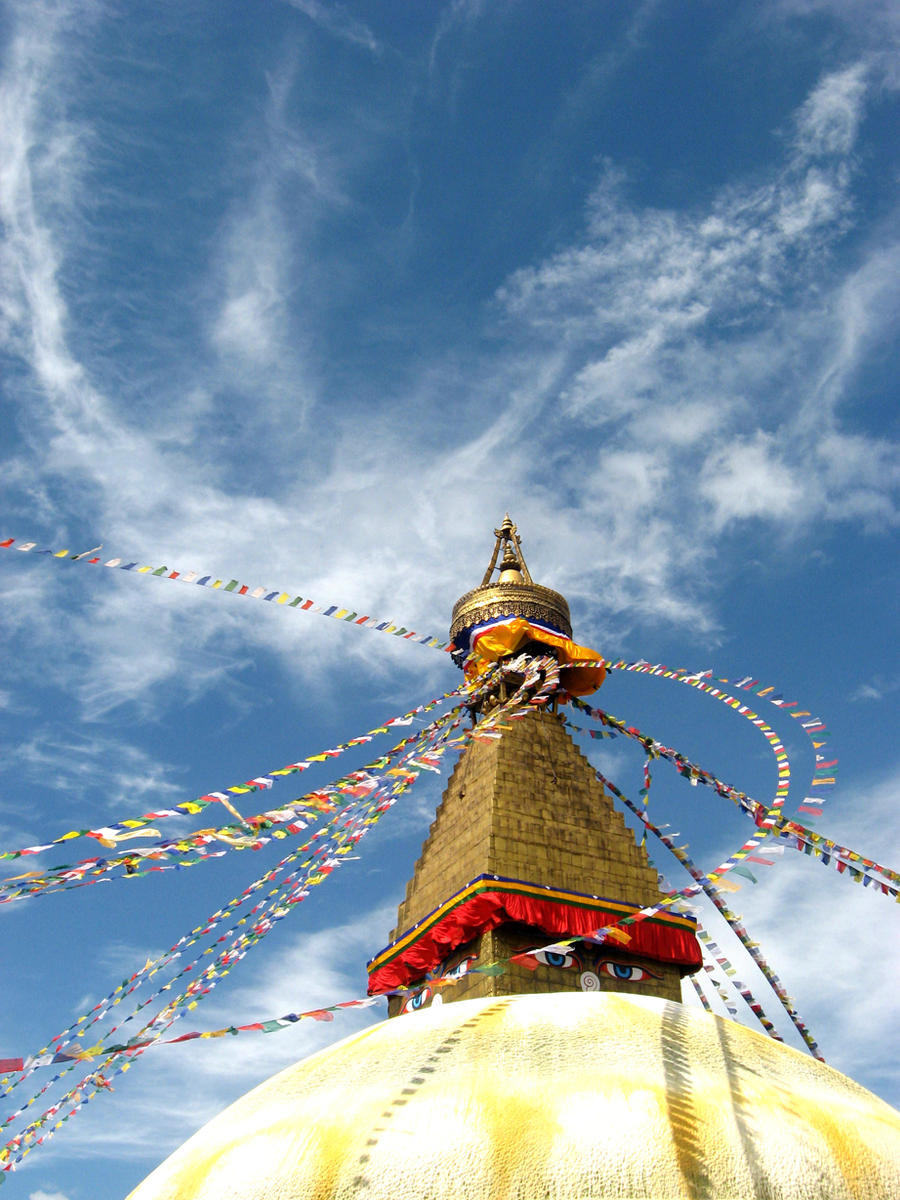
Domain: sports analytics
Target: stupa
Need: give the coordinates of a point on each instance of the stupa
(526, 843)
(511, 1066)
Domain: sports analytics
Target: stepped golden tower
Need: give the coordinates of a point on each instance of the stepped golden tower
(547, 1071)
(526, 845)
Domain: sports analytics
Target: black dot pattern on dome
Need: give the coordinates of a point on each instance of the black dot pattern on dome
(416, 1080)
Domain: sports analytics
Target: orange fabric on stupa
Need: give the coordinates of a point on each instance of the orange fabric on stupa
(498, 639)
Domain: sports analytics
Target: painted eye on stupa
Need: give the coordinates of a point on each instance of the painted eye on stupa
(461, 968)
(564, 959)
(417, 1001)
(626, 973)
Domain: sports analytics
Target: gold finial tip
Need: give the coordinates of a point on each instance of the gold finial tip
(512, 565)
(507, 529)
(512, 593)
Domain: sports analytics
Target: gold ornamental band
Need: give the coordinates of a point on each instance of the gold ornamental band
(529, 600)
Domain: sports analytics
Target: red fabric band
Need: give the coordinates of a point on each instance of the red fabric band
(485, 904)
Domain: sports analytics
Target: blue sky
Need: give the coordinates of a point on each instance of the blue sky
(309, 295)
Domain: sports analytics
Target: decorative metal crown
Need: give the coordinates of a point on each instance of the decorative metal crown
(513, 594)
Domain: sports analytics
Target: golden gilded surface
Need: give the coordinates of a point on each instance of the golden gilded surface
(529, 600)
(555, 1096)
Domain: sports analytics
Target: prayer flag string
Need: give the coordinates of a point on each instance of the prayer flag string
(117, 831)
(541, 679)
(824, 774)
(719, 959)
(705, 883)
(290, 891)
(765, 817)
(857, 867)
(700, 994)
(253, 833)
(272, 595)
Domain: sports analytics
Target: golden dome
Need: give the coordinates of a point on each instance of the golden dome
(513, 594)
(566, 1096)
(511, 599)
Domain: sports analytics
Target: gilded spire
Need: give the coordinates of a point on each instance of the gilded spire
(526, 845)
(513, 568)
(513, 594)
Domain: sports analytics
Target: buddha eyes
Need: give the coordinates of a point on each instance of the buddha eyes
(564, 959)
(417, 1001)
(561, 957)
(624, 973)
(461, 968)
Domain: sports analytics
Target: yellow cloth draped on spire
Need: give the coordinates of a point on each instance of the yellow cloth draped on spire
(501, 638)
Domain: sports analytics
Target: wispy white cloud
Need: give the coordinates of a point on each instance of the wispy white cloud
(692, 331)
(76, 764)
(875, 688)
(458, 13)
(859, 315)
(89, 443)
(828, 120)
(871, 25)
(651, 277)
(747, 479)
(678, 355)
(261, 270)
(338, 21)
(251, 316)
(40, 160)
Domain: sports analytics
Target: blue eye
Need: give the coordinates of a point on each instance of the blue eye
(461, 968)
(623, 972)
(416, 1001)
(563, 959)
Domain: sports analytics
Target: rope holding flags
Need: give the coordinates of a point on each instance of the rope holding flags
(116, 831)
(253, 832)
(711, 949)
(270, 595)
(696, 775)
(342, 832)
(540, 679)
(290, 891)
(824, 774)
(770, 821)
(826, 766)
(704, 883)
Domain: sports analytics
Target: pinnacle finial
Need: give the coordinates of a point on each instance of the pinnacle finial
(512, 565)
(514, 594)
